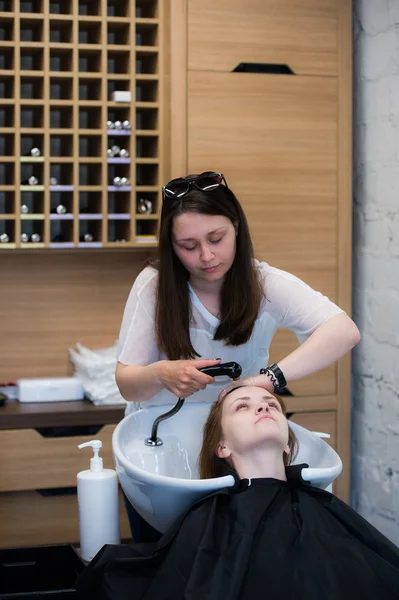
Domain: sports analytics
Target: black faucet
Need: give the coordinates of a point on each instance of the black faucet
(231, 369)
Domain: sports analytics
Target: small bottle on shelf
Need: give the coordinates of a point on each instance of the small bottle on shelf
(124, 181)
(4, 238)
(33, 152)
(32, 180)
(87, 237)
(144, 206)
(118, 125)
(60, 209)
(24, 238)
(24, 209)
(35, 238)
(53, 181)
(124, 153)
(116, 181)
(126, 124)
(110, 125)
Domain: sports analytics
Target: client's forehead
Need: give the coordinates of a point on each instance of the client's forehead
(250, 392)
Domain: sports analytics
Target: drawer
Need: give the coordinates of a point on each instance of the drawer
(29, 519)
(318, 421)
(29, 461)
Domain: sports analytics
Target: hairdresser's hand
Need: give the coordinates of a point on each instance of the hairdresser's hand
(262, 381)
(182, 377)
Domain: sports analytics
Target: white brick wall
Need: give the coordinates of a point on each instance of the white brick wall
(375, 415)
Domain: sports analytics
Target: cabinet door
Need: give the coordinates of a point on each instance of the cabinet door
(275, 139)
(299, 33)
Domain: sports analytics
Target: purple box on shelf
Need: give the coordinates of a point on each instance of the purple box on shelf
(61, 188)
(90, 245)
(65, 217)
(120, 216)
(90, 217)
(61, 244)
(119, 188)
(118, 131)
(119, 160)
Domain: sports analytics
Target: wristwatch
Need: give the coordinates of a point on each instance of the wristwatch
(276, 376)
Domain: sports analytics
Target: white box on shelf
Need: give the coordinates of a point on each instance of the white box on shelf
(121, 96)
(50, 389)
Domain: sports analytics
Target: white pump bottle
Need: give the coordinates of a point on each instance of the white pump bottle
(98, 505)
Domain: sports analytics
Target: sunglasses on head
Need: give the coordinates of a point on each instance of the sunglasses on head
(206, 182)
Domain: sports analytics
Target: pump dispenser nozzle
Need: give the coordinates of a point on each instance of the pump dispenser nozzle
(96, 463)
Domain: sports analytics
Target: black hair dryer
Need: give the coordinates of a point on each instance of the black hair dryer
(229, 369)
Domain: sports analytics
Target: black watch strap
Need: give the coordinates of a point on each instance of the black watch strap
(276, 376)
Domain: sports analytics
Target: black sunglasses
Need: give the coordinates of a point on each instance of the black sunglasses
(206, 182)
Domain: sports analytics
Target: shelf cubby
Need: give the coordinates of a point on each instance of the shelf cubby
(146, 91)
(31, 6)
(7, 202)
(89, 61)
(61, 31)
(60, 7)
(6, 58)
(90, 32)
(6, 6)
(90, 8)
(31, 59)
(90, 203)
(61, 233)
(118, 33)
(61, 117)
(146, 175)
(119, 230)
(90, 117)
(6, 173)
(153, 198)
(31, 87)
(89, 174)
(118, 61)
(34, 201)
(114, 85)
(62, 172)
(147, 118)
(146, 146)
(7, 86)
(30, 141)
(61, 88)
(7, 145)
(6, 115)
(119, 203)
(90, 146)
(147, 9)
(89, 89)
(146, 62)
(93, 227)
(146, 34)
(32, 169)
(7, 29)
(61, 59)
(7, 227)
(61, 145)
(30, 227)
(31, 30)
(61, 199)
(118, 8)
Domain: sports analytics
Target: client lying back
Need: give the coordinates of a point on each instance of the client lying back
(270, 536)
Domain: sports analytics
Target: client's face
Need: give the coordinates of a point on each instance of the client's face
(252, 418)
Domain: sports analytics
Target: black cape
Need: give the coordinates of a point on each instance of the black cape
(264, 539)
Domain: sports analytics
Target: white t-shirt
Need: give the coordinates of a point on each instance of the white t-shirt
(289, 303)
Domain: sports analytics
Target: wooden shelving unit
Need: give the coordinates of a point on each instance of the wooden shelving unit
(60, 63)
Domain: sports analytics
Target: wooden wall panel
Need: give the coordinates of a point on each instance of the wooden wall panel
(300, 33)
(48, 302)
(275, 139)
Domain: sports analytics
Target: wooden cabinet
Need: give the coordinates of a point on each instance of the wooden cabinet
(283, 142)
(300, 33)
(39, 461)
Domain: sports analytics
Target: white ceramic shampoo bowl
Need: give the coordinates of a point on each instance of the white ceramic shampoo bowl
(162, 482)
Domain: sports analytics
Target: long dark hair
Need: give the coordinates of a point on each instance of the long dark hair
(241, 293)
(209, 464)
